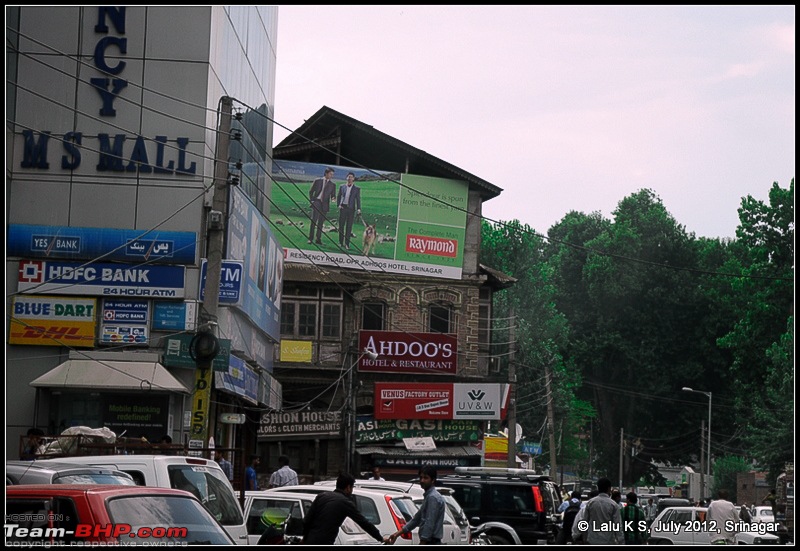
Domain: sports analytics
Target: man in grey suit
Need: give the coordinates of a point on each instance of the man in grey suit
(349, 203)
(322, 192)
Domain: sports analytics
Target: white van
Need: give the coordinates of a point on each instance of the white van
(202, 477)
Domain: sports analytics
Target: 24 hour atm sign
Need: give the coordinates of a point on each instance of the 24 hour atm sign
(104, 279)
(440, 401)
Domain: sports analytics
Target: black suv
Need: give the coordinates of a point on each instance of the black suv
(514, 505)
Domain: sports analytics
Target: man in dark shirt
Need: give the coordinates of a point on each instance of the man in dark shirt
(321, 524)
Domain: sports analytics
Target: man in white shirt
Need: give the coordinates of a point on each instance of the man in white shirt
(720, 512)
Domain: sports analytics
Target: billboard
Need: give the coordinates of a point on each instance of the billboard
(401, 352)
(418, 221)
(251, 241)
(101, 278)
(76, 243)
(441, 401)
(52, 321)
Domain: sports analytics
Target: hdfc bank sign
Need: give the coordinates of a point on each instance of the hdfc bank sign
(399, 352)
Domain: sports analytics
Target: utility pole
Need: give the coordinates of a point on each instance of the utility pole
(201, 398)
(511, 433)
(703, 459)
(550, 421)
(621, 455)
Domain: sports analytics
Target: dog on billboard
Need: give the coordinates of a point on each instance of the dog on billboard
(370, 239)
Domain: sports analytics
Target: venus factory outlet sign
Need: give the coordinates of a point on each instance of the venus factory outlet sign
(441, 401)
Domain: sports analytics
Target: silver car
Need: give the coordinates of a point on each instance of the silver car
(52, 471)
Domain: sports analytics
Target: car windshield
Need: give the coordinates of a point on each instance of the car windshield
(212, 489)
(94, 478)
(456, 510)
(168, 520)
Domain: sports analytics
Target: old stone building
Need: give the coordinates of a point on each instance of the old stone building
(340, 307)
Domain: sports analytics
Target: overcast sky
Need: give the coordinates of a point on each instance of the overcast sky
(563, 107)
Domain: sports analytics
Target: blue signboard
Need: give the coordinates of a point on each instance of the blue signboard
(125, 321)
(240, 380)
(97, 278)
(69, 243)
(251, 240)
(531, 448)
(174, 316)
(230, 281)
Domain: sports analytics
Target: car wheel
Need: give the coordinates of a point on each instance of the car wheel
(498, 538)
(664, 542)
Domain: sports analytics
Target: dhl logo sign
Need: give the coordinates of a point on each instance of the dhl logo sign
(64, 333)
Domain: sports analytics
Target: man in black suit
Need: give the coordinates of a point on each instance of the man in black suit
(322, 192)
(349, 203)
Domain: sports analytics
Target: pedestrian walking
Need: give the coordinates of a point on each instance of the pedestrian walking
(722, 515)
(284, 476)
(224, 464)
(251, 474)
(568, 519)
(602, 516)
(634, 521)
(329, 510)
(429, 517)
(578, 533)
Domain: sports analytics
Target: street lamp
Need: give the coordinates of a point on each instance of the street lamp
(708, 429)
(350, 435)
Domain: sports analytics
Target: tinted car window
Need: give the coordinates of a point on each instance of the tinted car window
(58, 513)
(407, 507)
(94, 478)
(169, 512)
(514, 500)
(368, 509)
(212, 489)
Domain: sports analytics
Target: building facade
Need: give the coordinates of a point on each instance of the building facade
(112, 124)
(414, 312)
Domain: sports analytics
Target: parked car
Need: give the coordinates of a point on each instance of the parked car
(763, 513)
(203, 477)
(684, 526)
(665, 502)
(388, 511)
(514, 506)
(156, 516)
(52, 471)
(456, 517)
(283, 513)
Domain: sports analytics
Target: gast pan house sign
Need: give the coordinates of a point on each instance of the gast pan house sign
(399, 352)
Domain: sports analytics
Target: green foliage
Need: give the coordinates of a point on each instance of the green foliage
(628, 311)
(725, 470)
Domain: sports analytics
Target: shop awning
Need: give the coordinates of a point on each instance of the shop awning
(448, 451)
(110, 375)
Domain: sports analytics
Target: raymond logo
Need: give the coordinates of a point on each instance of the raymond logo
(435, 246)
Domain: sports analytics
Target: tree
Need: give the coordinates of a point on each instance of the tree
(540, 331)
(761, 341)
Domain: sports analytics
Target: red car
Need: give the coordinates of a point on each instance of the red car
(108, 513)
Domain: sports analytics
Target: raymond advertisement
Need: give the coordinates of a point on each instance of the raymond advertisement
(52, 321)
(400, 352)
(400, 223)
(251, 241)
(441, 401)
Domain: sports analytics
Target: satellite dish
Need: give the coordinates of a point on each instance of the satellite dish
(518, 434)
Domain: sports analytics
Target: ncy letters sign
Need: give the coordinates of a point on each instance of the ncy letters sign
(118, 152)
